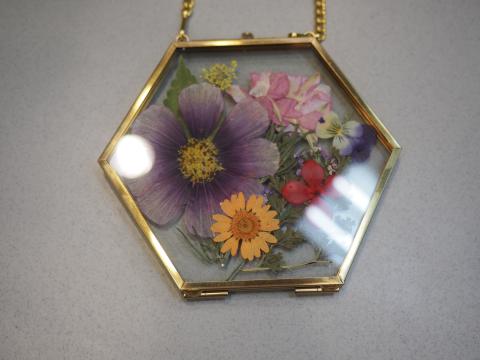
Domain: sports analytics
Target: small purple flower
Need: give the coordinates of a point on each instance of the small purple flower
(298, 153)
(326, 154)
(192, 174)
(266, 191)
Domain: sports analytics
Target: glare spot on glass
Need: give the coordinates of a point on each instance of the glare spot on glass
(322, 221)
(352, 192)
(133, 156)
(320, 224)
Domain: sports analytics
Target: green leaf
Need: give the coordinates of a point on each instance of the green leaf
(183, 78)
(296, 212)
(204, 248)
(271, 133)
(277, 202)
(273, 261)
(291, 240)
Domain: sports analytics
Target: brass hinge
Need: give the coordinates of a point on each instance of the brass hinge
(316, 290)
(199, 295)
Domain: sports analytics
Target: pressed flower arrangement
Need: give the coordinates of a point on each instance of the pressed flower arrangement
(235, 167)
(251, 160)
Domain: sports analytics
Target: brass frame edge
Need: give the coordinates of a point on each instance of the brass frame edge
(139, 220)
(362, 228)
(122, 192)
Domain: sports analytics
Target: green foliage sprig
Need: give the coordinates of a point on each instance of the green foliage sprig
(204, 249)
(288, 238)
(183, 79)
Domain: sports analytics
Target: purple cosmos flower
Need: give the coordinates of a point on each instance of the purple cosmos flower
(193, 173)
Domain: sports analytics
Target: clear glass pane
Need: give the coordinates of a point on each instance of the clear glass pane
(271, 124)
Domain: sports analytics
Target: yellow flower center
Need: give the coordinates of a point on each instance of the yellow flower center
(198, 160)
(336, 130)
(221, 75)
(245, 225)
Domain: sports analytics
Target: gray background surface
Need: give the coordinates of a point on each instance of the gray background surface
(77, 280)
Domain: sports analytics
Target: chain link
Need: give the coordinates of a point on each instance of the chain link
(187, 10)
(320, 31)
(321, 19)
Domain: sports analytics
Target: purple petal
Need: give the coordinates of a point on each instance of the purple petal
(164, 167)
(251, 187)
(203, 204)
(228, 183)
(361, 147)
(162, 193)
(201, 106)
(254, 158)
(347, 150)
(158, 125)
(369, 135)
(206, 198)
(164, 200)
(247, 120)
(361, 151)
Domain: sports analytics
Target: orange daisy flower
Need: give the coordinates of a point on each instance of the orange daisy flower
(245, 224)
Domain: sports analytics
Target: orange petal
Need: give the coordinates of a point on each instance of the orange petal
(234, 249)
(246, 250)
(238, 201)
(256, 248)
(232, 245)
(270, 225)
(227, 207)
(262, 210)
(270, 214)
(220, 227)
(254, 202)
(222, 236)
(222, 218)
(261, 244)
(269, 238)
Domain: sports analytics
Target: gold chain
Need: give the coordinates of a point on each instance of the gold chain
(320, 32)
(321, 19)
(187, 10)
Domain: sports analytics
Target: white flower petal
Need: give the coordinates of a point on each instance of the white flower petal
(340, 142)
(326, 129)
(262, 85)
(237, 93)
(352, 129)
(323, 131)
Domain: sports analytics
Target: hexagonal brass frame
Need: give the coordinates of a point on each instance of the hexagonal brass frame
(195, 290)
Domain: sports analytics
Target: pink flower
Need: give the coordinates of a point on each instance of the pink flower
(288, 99)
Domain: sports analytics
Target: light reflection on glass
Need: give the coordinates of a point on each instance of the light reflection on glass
(320, 223)
(133, 156)
(352, 192)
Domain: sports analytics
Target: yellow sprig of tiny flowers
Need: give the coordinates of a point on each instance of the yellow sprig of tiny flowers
(221, 75)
